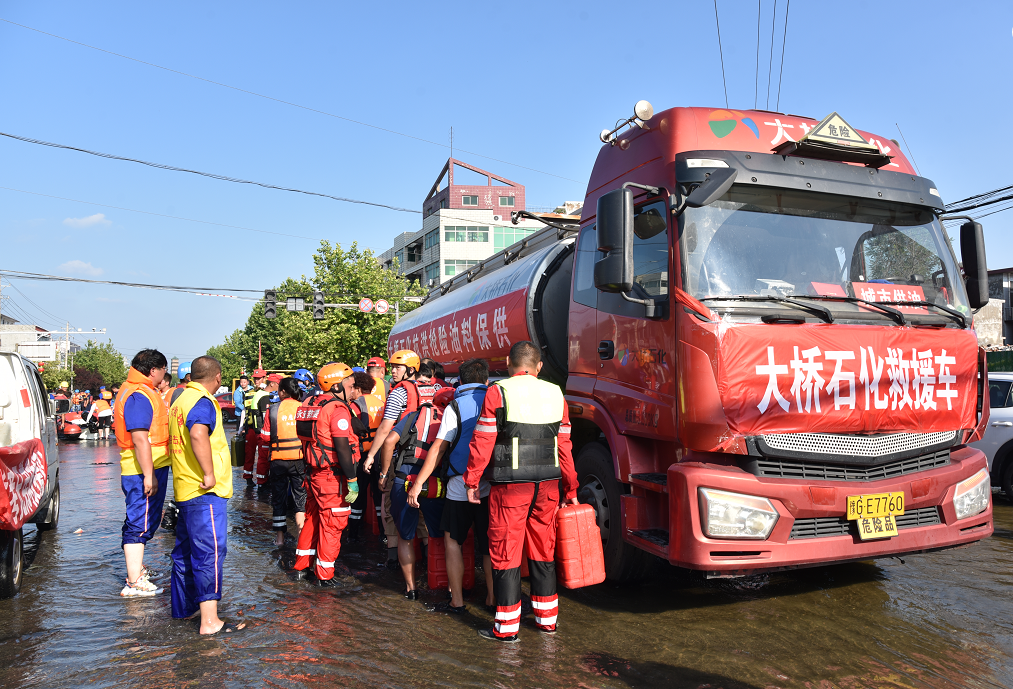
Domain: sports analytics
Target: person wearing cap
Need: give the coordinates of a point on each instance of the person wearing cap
(183, 374)
(239, 399)
(375, 368)
(262, 472)
(254, 422)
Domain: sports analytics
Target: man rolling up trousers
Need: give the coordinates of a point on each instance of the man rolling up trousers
(523, 430)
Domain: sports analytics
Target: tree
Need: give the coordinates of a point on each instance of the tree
(103, 360)
(85, 379)
(53, 376)
(295, 340)
(229, 355)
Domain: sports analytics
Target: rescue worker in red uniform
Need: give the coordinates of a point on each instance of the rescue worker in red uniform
(523, 437)
(327, 426)
(254, 422)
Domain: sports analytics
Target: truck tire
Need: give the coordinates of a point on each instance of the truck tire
(53, 511)
(11, 563)
(600, 489)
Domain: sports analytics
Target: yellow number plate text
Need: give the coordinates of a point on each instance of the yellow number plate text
(877, 527)
(875, 505)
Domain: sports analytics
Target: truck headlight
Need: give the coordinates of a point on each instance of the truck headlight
(972, 495)
(733, 515)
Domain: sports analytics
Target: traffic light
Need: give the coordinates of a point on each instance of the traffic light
(270, 308)
(318, 305)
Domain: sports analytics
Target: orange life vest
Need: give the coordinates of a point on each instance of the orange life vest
(285, 442)
(158, 434)
(380, 390)
(374, 410)
(102, 405)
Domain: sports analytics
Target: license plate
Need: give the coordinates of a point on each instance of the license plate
(877, 527)
(876, 505)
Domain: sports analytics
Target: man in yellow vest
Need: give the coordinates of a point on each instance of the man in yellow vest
(141, 425)
(202, 485)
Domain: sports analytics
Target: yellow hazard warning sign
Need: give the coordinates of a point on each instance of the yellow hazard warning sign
(835, 131)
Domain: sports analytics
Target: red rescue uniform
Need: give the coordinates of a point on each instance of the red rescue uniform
(522, 510)
(331, 462)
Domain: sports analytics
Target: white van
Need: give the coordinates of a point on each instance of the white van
(27, 422)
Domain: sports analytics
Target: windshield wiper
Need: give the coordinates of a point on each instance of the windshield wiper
(896, 315)
(953, 313)
(821, 312)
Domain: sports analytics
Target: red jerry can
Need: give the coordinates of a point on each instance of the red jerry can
(579, 557)
(370, 510)
(437, 577)
(436, 572)
(469, 561)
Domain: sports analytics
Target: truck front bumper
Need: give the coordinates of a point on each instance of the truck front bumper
(816, 503)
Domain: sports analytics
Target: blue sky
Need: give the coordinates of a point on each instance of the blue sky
(528, 83)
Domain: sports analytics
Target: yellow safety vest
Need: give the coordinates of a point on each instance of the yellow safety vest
(186, 472)
(527, 444)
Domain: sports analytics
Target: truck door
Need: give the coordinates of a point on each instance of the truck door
(582, 337)
(636, 354)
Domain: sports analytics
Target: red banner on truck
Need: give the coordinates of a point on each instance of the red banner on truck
(847, 379)
(22, 482)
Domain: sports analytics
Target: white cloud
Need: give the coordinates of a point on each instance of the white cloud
(90, 221)
(79, 267)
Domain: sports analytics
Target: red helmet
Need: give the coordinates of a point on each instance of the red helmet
(443, 398)
(332, 374)
(259, 373)
(375, 361)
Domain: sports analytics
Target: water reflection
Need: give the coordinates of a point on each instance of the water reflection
(938, 620)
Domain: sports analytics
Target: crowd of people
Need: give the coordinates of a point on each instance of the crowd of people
(445, 465)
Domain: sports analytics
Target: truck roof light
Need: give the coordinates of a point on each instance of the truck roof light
(705, 162)
(934, 192)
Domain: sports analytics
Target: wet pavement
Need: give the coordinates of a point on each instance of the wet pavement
(934, 620)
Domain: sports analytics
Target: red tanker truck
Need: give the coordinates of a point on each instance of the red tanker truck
(765, 340)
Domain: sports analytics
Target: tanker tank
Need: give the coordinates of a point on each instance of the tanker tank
(521, 293)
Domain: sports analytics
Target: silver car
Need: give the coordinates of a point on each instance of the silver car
(998, 441)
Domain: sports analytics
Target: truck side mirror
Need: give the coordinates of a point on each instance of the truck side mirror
(972, 253)
(714, 187)
(614, 271)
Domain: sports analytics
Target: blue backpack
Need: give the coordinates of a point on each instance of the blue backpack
(467, 404)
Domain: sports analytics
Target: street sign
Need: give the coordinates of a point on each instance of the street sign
(382, 306)
(366, 305)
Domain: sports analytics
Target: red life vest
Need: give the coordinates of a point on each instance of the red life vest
(414, 446)
(418, 394)
(313, 427)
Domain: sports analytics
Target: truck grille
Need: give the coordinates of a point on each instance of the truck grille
(769, 467)
(855, 445)
(826, 527)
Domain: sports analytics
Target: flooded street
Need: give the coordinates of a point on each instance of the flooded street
(935, 620)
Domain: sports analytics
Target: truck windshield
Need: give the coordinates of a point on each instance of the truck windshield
(774, 242)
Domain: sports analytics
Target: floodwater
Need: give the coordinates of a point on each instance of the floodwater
(934, 620)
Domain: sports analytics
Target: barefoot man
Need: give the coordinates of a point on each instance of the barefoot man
(202, 484)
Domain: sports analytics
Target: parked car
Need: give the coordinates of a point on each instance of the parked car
(28, 449)
(997, 444)
(229, 414)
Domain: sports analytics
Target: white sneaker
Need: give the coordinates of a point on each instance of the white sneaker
(141, 587)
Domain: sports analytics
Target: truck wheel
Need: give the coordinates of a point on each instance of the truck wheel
(11, 563)
(53, 513)
(600, 489)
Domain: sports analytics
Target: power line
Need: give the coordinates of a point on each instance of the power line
(56, 319)
(784, 40)
(279, 100)
(212, 175)
(910, 152)
(770, 63)
(24, 275)
(756, 79)
(721, 52)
